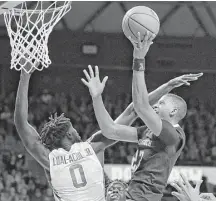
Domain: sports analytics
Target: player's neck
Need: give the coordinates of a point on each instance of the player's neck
(67, 145)
(173, 122)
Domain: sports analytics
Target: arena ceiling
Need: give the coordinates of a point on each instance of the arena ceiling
(188, 19)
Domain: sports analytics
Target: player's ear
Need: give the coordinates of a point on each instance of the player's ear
(69, 135)
(173, 112)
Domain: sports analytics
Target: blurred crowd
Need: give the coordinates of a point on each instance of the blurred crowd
(17, 183)
(199, 125)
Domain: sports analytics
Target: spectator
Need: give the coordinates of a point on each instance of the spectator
(48, 196)
(23, 196)
(5, 196)
(13, 195)
(37, 196)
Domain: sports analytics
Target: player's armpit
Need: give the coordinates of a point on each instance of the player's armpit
(30, 139)
(151, 119)
(168, 134)
(41, 154)
(99, 143)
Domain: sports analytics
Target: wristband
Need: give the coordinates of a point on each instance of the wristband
(138, 64)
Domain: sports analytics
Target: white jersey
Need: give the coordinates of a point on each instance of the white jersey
(76, 175)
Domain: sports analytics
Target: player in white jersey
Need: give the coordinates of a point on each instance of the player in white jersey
(78, 168)
(70, 163)
(74, 167)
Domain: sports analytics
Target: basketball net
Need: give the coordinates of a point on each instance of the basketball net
(29, 32)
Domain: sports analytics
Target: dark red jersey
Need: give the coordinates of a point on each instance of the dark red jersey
(153, 162)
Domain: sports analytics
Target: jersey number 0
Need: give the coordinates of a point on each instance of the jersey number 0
(78, 177)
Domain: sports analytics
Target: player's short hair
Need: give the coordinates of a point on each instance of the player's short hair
(54, 130)
(180, 104)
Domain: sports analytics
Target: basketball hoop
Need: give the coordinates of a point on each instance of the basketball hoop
(29, 32)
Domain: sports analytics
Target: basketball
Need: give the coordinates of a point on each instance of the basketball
(140, 19)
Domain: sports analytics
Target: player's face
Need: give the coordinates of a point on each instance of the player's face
(163, 108)
(73, 133)
(116, 192)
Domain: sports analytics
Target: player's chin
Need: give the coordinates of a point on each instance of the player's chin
(114, 197)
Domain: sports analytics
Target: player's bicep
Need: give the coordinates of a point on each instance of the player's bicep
(100, 156)
(124, 133)
(151, 119)
(169, 135)
(99, 142)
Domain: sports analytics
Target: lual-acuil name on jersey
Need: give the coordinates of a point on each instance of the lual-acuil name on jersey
(69, 158)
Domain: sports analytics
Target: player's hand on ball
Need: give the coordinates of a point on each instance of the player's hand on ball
(93, 82)
(141, 47)
(185, 192)
(184, 80)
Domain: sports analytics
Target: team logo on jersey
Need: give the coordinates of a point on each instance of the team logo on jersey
(145, 142)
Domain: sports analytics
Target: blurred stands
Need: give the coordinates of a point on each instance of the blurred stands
(17, 179)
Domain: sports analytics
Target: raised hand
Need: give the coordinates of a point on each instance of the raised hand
(93, 82)
(141, 47)
(184, 80)
(185, 192)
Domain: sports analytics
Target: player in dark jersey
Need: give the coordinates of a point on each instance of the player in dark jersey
(154, 96)
(160, 141)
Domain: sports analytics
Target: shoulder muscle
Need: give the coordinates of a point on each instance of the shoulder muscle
(169, 134)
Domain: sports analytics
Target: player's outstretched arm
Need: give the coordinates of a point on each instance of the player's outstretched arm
(140, 93)
(108, 127)
(164, 89)
(139, 89)
(129, 115)
(27, 133)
